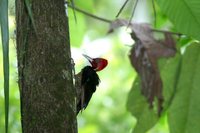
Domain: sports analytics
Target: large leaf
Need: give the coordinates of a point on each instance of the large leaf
(5, 43)
(184, 113)
(170, 70)
(139, 108)
(137, 104)
(185, 15)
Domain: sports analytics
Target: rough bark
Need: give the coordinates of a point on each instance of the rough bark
(44, 68)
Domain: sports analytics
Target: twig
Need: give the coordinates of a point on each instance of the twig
(90, 15)
(164, 31)
(122, 8)
(154, 11)
(136, 2)
(73, 5)
(110, 21)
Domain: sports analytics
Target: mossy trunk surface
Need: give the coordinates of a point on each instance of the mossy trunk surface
(44, 68)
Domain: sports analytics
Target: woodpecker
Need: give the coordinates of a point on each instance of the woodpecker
(87, 80)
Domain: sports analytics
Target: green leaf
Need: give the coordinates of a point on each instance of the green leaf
(28, 6)
(137, 104)
(184, 14)
(5, 45)
(73, 8)
(170, 70)
(184, 113)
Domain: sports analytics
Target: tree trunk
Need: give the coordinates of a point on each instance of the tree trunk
(44, 67)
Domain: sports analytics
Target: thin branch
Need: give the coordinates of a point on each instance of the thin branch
(89, 14)
(136, 2)
(110, 21)
(154, 11)
(122, 8)
(164, 31)
(73, 8)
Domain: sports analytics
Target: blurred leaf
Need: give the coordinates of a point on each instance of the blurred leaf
(73, 8)
(144, 58)
(185, 15)
(184, 40)
(170, 71)
(89, 5)
(184, 111)
(5, 45)
(78, 28)
(137, 104)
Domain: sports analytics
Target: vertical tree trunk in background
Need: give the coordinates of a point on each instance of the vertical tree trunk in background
(44, 66)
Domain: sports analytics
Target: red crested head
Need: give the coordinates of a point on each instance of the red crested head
(98, 64)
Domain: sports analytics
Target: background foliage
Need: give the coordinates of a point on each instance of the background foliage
(107, 111)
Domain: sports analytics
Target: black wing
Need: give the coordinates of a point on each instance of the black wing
(89, 81)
